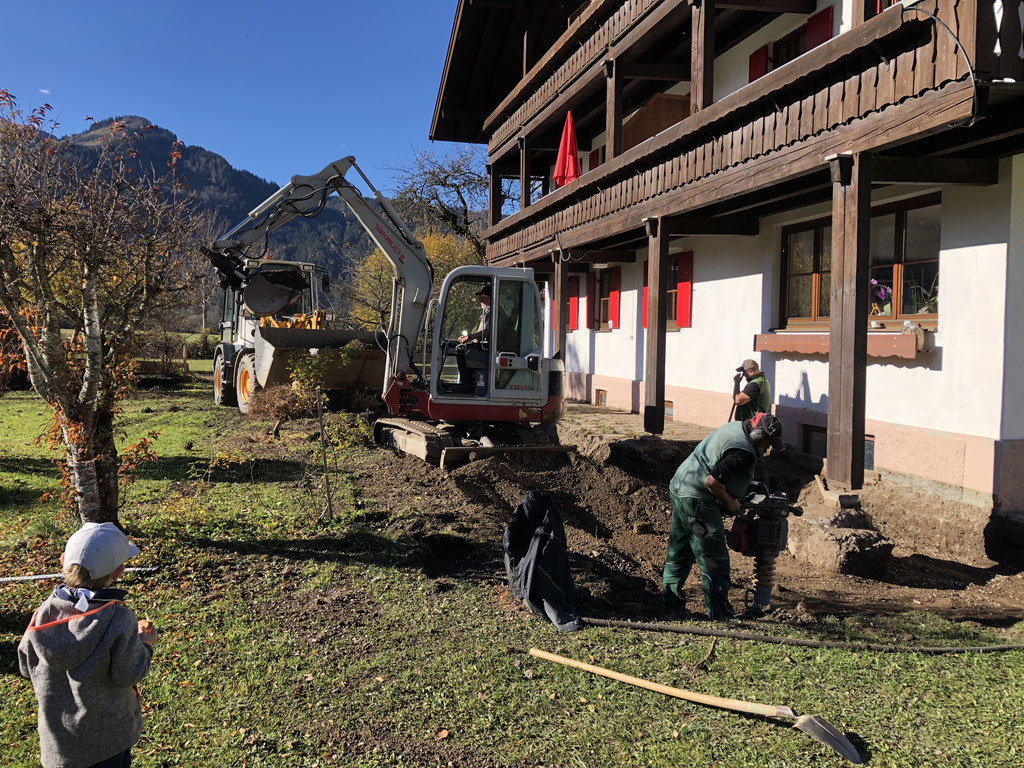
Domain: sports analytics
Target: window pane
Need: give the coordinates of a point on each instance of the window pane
(799, 296)
(801, 252)
(923, 228)
(825, 294)
(670, 303)
(880, 291)
(921, 288)
(883, 239)
(826, 249)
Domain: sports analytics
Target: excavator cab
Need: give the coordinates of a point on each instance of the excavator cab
(505, 366)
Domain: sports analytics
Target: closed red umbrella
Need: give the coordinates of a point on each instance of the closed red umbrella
(567, 166)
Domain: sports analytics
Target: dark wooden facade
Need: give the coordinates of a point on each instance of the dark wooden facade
(912, 81)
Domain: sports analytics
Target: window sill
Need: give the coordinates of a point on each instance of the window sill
(880, 343)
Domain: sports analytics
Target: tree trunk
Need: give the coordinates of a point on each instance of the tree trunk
(93, 468)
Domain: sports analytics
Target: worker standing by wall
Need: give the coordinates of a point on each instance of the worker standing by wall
(708, 483)
(756, 396)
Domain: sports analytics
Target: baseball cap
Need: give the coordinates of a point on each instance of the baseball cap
(771, 426)
(485, 291)
(747, 365)
(100, 548)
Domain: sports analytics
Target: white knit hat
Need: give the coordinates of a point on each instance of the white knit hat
(100, 548)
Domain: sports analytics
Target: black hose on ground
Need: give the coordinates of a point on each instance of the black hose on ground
(737, 635)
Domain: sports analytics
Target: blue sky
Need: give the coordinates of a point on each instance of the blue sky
(277, 88)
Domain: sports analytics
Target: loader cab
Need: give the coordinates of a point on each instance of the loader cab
(506, 365)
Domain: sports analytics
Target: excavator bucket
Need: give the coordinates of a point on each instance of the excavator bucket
(821, 730)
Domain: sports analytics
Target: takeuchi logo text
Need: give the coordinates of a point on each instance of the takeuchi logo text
(389, 241)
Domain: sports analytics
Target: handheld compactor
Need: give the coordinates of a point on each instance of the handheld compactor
(761, 533)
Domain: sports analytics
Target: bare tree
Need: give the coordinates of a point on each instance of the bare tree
(95, 246)
(447, 193)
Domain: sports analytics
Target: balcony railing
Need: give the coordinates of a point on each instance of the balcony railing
(586, 58)
(898, 55)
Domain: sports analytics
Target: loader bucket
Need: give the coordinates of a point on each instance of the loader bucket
(276, 346)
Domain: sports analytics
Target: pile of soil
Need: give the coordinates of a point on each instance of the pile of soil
(614, 503)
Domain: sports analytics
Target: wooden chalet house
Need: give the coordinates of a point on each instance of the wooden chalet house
(789, 180)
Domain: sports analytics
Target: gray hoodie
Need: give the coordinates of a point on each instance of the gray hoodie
(84, 667)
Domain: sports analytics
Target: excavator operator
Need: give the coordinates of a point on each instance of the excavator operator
(472, 354)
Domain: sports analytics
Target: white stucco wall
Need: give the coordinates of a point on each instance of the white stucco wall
(958, 387)
(732, 69)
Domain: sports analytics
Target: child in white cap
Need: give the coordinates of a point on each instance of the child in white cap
(84, 652)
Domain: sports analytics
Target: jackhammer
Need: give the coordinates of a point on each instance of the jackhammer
(761, 532)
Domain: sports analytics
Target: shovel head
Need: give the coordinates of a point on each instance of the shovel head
(821, 730)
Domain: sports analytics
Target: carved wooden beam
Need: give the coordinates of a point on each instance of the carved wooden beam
(676, 226)
(768, 6)
(604, 256)
(935, 170)
(668, 71)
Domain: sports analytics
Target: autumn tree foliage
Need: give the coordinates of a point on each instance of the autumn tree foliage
(96, 245)
(447, 194)
(369, 287)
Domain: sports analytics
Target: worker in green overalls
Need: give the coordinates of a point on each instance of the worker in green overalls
(712, 480)
(756, 396)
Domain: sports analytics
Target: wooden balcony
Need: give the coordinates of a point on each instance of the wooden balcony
(894, 79)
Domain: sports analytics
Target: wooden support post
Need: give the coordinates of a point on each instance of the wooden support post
(702, 54)
(493, 195)
(613, 109)
(527, 49)
(860, 12)
(524, 172)
(561, 300)
(848, 326)
(657, 321)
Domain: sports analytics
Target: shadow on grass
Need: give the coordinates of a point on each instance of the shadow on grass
(436, 555)
(22, 496)
(178, 468)
(174, 468)
(25, 465)
(9, 658)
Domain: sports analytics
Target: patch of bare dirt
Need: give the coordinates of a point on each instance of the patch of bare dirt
(614, 502)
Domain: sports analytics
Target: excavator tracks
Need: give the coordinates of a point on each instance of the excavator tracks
(417, 438)
(437, 445)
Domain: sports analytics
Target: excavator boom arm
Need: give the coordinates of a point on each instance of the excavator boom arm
(306, 196)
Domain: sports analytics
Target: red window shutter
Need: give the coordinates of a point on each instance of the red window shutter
(574, 303)
(759, 63)
(684, 289)
(819, 28)
(595, 159)
(591, 298)
(643, 318)
(615, 280)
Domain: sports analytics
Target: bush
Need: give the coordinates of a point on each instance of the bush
(281, 402)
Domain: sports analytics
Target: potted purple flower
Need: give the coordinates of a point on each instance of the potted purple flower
(879, 294)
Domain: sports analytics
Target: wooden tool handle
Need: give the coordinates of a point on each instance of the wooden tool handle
(768, 710)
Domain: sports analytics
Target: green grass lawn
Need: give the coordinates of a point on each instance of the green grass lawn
(289, 641)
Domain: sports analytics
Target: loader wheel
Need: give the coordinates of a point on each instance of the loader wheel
(223, 394)
(245, 382)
